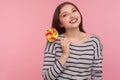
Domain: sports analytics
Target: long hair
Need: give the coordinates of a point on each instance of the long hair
(56, 21)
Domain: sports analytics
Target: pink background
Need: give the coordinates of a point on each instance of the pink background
(22, 41)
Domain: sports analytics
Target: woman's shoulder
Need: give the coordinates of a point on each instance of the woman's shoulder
(95, 38)
(60, 36)
(92, 37)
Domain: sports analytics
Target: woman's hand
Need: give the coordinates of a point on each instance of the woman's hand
(65, 44)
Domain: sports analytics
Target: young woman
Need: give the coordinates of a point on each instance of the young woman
(75, 55)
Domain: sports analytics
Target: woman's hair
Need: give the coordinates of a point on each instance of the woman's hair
(56, 21)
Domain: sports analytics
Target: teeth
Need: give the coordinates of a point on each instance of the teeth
(73, 20)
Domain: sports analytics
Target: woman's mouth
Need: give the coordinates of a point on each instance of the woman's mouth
(74, 20)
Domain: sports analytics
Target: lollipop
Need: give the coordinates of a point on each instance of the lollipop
(51, 34)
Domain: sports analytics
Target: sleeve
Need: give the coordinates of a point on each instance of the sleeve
(51, 67)
(97, 61)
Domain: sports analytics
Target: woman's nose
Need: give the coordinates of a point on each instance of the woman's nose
(72, 15)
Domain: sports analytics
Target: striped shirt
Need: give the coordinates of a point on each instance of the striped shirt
(84, 62)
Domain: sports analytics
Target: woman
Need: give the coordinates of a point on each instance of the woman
(75, 55)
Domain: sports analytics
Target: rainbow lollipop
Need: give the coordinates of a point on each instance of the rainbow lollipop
(51, 34)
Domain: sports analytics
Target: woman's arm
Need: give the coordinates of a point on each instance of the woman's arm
(97, 61)
(53, 67)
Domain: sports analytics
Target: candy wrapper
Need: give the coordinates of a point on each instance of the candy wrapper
(51, 34)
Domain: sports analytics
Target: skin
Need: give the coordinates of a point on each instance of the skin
(70, 19)
(68, 14)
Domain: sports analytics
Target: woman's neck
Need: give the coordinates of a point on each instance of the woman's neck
(76, 36)
(72, 33)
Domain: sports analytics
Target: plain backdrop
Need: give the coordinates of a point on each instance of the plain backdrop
(22, 35)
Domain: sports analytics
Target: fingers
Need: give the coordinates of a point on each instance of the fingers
(65, 42)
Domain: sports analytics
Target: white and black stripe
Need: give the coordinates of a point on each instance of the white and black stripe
(84, 62)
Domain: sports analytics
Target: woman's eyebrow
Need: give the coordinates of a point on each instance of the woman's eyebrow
(73, 8)
(63, 12)
(66, 11)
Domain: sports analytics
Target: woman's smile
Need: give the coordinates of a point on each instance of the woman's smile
(73, 20)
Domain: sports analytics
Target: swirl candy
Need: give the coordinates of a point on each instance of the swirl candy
(51, 34)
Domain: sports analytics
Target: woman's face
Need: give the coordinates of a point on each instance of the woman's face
(69, 17)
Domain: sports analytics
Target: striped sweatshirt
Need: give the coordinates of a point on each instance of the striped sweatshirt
(84, 62)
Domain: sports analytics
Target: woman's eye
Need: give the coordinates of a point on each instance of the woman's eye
(74, 10)
(64, 15)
